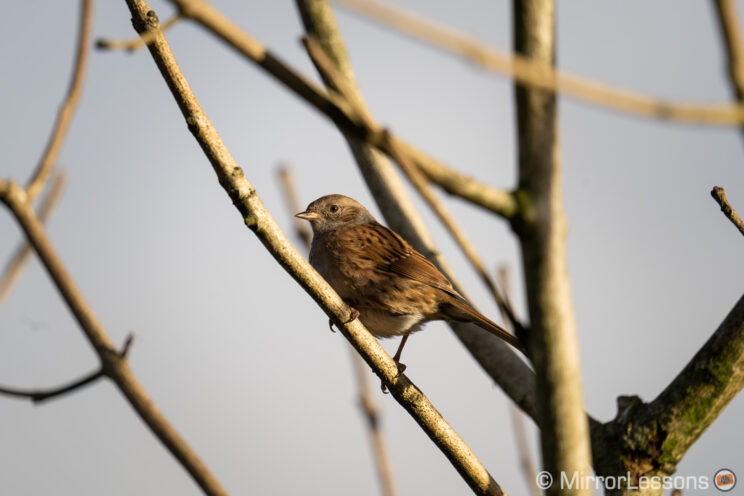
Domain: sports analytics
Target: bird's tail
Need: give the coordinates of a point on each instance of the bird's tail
(462, 312)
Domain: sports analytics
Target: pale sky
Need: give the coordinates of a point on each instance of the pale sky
(237, 356)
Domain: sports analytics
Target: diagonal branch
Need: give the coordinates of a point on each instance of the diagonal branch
(491, 198)
(540, 75)
(113, 363)
(258, 219)
(649, 439)
(719, 195)
(18, 261)
(693, 400)
(64, 117)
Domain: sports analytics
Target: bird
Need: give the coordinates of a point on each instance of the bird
(392, 288)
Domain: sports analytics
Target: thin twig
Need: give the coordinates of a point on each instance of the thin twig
(719, 195)
(372, 414)
(526, 458)
(286, 180)
(540, 75)
(39, 395)
(113, 362)
(366, 400)
(257, 218)
(491, 198)
(138, 42)
(18, 261)
(728, 20)
(64, 117)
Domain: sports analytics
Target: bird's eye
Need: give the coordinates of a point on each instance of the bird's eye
(334, 209)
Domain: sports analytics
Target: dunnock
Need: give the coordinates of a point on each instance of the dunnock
(393, 288)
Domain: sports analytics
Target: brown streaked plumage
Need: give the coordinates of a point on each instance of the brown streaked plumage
(394, 288)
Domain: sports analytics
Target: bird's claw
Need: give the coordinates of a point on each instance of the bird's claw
(401, 368)
(353, 315)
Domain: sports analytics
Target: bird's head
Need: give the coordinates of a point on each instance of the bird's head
(332, 212)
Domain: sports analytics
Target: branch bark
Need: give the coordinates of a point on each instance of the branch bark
(542, 230)
(259, 220)
(113, 363)
(719, 195)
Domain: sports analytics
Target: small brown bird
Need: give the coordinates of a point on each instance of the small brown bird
(394, 288)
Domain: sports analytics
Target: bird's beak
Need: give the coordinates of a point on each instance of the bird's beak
(308, 215)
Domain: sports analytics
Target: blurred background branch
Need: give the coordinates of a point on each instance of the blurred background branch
(540, 75)
(367, 401)
(17, 262)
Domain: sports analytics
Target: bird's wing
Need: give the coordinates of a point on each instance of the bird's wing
(392, 253)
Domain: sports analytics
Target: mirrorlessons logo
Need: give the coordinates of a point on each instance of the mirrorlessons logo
(724, 480)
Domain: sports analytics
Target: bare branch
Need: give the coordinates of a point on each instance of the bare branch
(18, 261)
(39, 395)
(553, 341)
(494, 199)
(64, 118)
(260, 221)
(719, 195)
(286, 179)
(135, 43)
(366, 400)
(540, 75)
(113, 362)
(695, 398)
(372, 414)
(526, 459)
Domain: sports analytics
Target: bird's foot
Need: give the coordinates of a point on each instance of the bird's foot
(353, 315)
(401, 368)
